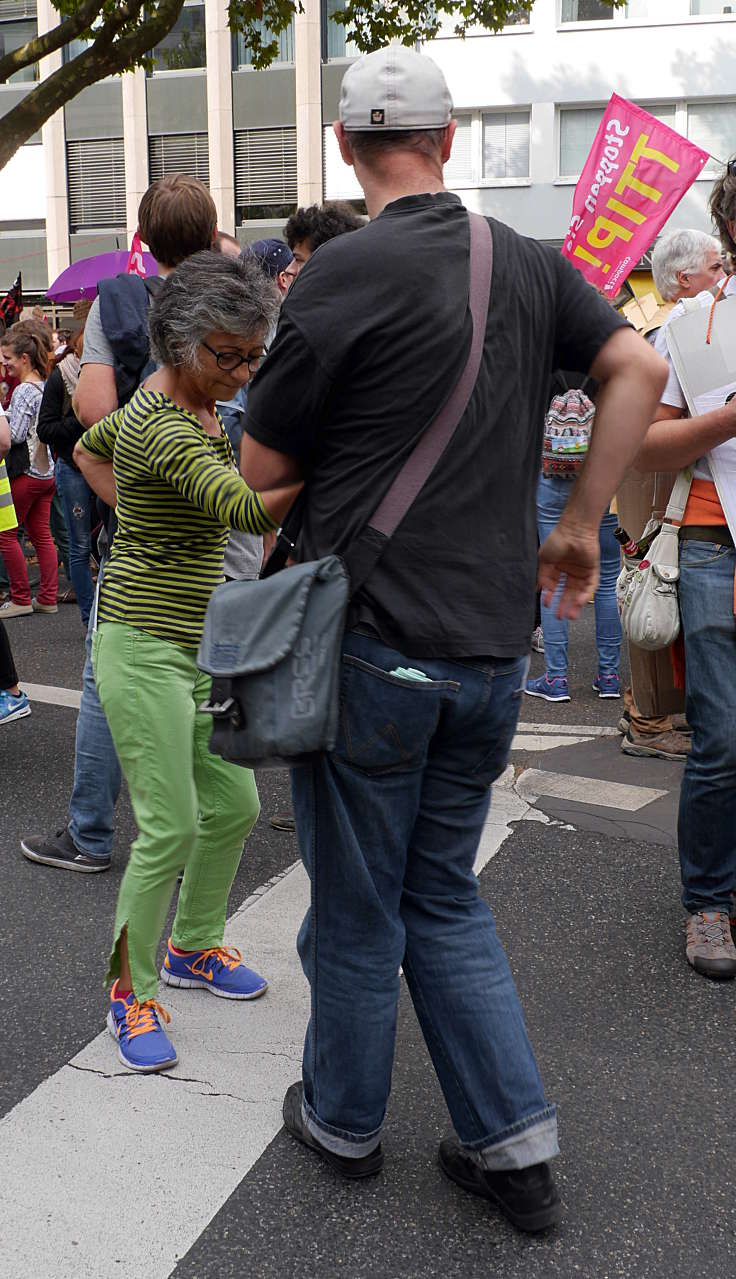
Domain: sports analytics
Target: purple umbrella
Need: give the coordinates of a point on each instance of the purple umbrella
(81, 278)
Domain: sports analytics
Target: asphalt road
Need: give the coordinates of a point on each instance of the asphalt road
(633, 1046)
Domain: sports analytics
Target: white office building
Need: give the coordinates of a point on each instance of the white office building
(528, 101)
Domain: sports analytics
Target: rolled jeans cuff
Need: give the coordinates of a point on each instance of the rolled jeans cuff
(531, 1142)
(339, 1141)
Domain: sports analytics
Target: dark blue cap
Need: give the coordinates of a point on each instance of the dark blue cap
(273, 255)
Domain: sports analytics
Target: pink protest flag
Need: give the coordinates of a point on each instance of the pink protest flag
(136, 264)
(637, 171)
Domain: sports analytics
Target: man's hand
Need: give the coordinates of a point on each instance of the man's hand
(571, 552)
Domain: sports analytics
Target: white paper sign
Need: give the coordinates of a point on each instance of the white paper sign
(707, 373)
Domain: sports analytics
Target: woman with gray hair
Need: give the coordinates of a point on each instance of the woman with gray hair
(684, 263)
(166, 464)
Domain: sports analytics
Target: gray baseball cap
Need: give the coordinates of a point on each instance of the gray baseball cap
(394, 88)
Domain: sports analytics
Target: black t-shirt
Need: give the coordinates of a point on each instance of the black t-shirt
(371, 341)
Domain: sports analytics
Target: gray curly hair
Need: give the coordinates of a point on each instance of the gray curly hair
(680, 251)
(209, 292)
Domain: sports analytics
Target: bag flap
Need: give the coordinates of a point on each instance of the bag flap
(666, 572)
(252, 626)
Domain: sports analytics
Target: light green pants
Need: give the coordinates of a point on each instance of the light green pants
(193, 810)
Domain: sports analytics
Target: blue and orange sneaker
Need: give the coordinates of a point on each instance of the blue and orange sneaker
(142, 1044)
(218, 970)
(607, 686)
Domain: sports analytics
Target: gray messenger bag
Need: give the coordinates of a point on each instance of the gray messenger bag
(274, 646)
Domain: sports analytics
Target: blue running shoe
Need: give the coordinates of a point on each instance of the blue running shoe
(12, 707)
(552, 690)
(142, 1044)
(218, 970)
(607, 686)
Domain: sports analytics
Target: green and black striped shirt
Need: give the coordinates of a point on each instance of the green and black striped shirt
(177, 498)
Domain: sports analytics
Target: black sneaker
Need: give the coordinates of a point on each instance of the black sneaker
(60, 850)
(527, 1196)
(353, 1169)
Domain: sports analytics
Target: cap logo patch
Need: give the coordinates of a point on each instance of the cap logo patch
(377, 115)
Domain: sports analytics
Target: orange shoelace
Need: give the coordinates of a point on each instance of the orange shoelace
(228, 958)
(141, 1018)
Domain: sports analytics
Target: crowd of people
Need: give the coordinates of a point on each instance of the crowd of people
(148, 421)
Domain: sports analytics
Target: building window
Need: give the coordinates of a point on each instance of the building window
(265, 173)
(712, 126)
(585, 11)
(644, 10)
(13, 35)
(489, 147)
(335, 43)
(179, 153)
(505, 145)
(700, 8)
(578, 127)
(184, 48)
(244, 57)
(520, 19)
(96, 184)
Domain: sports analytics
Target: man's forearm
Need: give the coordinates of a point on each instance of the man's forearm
(626, 404)
(672, 443)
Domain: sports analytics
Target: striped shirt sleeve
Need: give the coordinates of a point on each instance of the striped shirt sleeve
(100, 439)
(177, 453)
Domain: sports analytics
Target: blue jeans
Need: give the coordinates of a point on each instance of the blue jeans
(97, 775)
(552, 495)
(707, 817)
(389, 826)
(76, 500)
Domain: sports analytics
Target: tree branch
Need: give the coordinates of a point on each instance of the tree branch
(111, 53)
(40, 46)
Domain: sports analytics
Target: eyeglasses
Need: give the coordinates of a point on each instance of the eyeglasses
(229, 361)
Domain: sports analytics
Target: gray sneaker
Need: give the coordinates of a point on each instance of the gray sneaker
(709, 947)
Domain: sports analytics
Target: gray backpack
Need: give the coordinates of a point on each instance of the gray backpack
(274, 646)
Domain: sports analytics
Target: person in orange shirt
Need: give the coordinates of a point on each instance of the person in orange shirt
(707, 813)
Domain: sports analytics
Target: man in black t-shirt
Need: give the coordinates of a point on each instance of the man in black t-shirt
(371, 341)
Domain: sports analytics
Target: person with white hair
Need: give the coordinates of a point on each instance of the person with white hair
(686, 262)
(164, 462)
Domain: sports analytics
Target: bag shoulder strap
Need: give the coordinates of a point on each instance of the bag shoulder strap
(678, 498)
(362, 557)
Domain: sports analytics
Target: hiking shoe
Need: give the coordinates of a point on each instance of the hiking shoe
(9, 609)
(538, 640)
(607, 686)
(218, 970)
(283, 821)
(669, 745)
(624, 723)
(142, 1044)
(709, 947)
(38, 607)
(13, 706)
(552, 690)
(526, 1196)
(354, 1169)
(60, 850)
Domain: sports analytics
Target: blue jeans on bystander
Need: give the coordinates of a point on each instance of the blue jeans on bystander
(706, 825)
(97, 775)
(552, 495)
(389, 826)
(76, 500)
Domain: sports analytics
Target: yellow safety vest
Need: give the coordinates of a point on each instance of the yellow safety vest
(7, 510)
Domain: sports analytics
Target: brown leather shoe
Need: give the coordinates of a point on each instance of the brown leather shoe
(669, 745)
